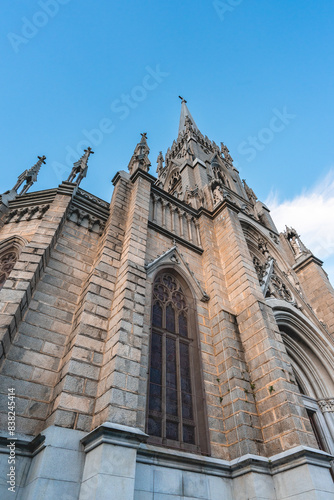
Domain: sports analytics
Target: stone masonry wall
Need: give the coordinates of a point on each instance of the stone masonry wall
(283, 419)
(319, 291)
(33, 361)
(15, 297)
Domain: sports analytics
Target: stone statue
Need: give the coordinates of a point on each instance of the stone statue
(217, 195)
(160, 162)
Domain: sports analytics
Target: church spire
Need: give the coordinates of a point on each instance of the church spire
(80, 167)
(183, 117)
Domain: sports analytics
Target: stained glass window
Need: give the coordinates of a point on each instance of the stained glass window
(157, 315)
(170, 318)
(171, 416)
(183, 326)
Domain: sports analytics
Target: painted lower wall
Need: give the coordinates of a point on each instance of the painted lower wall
(113, 462)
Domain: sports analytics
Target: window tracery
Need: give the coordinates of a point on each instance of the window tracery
(171, 399)
(7, 262)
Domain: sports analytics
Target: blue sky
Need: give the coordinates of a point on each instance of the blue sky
(257, 74)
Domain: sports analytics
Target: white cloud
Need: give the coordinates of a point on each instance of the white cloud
(311, 213)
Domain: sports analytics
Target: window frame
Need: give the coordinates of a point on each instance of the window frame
(199, 420)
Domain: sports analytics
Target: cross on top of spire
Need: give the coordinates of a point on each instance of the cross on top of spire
(185, 113)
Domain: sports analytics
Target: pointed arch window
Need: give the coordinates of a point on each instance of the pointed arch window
(10, 249)
(175, 391)
(7, 262)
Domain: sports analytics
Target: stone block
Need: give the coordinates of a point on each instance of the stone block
(219, 488)
(57, 464)
(110, 459)
(52, 490)
(143, 495)
(144, 477)
(100, 486)
(168, 481)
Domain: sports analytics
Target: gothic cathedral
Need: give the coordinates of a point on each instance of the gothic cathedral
(168, 345)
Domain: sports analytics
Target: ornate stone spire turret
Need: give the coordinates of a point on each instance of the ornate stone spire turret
(140, 158)
(29, 176)
(80, 167)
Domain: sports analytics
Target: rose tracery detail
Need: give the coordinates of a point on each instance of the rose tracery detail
(7, 262)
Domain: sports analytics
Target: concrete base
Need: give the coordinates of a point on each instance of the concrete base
(113, 461)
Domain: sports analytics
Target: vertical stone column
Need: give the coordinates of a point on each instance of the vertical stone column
(282, 416)
(77, 388)
(110, 464)
(118, 400)
(232, 415)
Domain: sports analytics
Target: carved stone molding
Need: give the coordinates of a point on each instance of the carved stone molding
(173, 255)
(83, 218)
(93, 199)
(326, 405)
(26, 213)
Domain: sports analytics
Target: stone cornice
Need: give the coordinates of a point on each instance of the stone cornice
(115, 434)
(22, 447)
(93, 199)
(173, 236)
(141, 173)
(67, 188)
(33, 199)
(153, 455)
(92, 205)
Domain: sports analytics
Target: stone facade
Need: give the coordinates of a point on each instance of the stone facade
(77, 349)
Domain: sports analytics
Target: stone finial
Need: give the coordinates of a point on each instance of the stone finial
(80, 167)
(250, 193)
(139, 159)
(29, 176)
